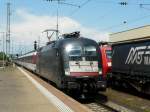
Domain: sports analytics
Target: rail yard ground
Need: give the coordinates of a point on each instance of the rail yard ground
(134, 102)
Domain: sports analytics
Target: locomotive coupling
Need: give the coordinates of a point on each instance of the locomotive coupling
(101, 85)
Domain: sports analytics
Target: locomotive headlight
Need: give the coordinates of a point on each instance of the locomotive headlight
(100, 71)
(109, 64)
(67, 72)
(68, 48)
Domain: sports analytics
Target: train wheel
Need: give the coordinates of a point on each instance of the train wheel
(146, 88)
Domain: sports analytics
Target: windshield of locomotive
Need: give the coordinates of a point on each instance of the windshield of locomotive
(74, 52)
(90, 53)
(77, 53)
(109, 54)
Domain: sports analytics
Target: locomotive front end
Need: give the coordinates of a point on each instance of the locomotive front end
(82, 67)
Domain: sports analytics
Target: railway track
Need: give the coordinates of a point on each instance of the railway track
(109, 106)
(97, 107)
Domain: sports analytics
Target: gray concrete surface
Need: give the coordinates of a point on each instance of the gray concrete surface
(18, 94)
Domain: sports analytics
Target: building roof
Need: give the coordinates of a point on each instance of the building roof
(131, 34)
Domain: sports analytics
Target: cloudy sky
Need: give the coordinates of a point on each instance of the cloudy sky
(95, 19)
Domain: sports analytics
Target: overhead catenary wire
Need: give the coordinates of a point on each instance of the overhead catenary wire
(111, 2)
(87, 1)
(80, 6)
(126, 22)
(120, 3)
(74, 5)
(123, 3)
(58, 3)
(130, 21)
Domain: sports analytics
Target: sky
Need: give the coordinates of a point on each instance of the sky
(95, 19)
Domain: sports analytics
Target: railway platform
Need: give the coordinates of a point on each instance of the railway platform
(19, 92)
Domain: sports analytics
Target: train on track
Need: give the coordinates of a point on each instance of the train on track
(131, 64)
(71, 62)
(106, 52)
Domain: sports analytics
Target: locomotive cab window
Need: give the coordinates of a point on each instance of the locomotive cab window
(90, 53)
(74, 52)
(109, 54)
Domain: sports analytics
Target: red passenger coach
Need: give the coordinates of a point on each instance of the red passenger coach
(34, 58)
(106, 59)
(28, 60)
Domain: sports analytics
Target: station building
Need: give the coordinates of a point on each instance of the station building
(131, 35)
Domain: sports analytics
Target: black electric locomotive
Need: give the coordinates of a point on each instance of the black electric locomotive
(72, 63)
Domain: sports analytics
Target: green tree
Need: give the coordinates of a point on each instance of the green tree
(1, 56)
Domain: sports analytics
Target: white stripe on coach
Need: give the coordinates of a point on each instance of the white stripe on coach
(52, 98)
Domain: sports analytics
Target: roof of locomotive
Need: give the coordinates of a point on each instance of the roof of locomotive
(81, 40)
(71, 38)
